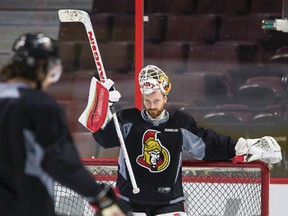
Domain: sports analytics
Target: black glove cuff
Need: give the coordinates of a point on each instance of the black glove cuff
(105, 198)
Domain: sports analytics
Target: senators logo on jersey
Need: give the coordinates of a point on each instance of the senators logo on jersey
(155, 157)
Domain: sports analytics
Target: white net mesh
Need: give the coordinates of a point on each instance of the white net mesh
(210, 189)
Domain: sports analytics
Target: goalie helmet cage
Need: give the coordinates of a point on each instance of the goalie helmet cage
(210, 188)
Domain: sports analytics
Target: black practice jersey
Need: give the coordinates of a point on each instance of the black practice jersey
(35, 149)
(155, 151)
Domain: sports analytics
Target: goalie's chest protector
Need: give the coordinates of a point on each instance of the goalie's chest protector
(154, 153)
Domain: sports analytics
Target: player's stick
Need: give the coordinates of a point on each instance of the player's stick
(72, 15)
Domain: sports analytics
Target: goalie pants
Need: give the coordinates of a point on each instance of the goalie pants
(157, 210)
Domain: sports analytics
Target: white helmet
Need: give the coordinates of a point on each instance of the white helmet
(152, 78)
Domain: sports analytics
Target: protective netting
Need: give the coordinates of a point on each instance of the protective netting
(210, 189)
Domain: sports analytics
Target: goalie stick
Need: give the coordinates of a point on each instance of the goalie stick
(72, 15)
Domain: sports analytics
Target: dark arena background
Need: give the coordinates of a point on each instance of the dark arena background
(227, 61)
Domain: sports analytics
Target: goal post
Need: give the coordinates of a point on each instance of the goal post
(210, 188)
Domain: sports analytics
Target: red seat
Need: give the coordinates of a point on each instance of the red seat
(114, 55)
(229, 119)
(238, 111)
(124, 83)
(278, 61)
(265, 118)
(219, 87)
(154, 28)
(222, 7)
(193, 111)
(216, 57)
(266, 6)
(269, 121)
(247, 33)
(170, 6)
(76, 32)
(67, 55)
(123, 28)
(199, 29)
(102, 26)
(187, 87)
(273, 81)
(260, 91)
(280, 56)
(228, 114)
(72, 32)
(279, 111)
(112, 6)
(210, 6)
(243, 28)
(170, 57)
(282, 50)
(222, 118)
(197, 88)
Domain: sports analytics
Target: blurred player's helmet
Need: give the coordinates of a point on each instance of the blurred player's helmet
(32, 46)
(152, 78)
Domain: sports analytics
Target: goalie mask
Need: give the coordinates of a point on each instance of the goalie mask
(30, 47)
(152, 78)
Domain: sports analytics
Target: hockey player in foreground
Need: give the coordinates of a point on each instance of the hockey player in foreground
(35, 144)
(155, 139)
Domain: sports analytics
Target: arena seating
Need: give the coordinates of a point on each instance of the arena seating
(102, 26)
(209, 48)
(170, 6)
(112, 6)
(222, 7)
(200, 28)
(260, 91)
(215, 57)
(67, 52)
(115, 57)
(123, 28)
(170, 57)
(266, 6)
(154, 27)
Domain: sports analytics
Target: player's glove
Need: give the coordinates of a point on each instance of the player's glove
(114, 95)
(265, 149)
(108, 204)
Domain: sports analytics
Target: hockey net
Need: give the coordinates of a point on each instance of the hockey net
(210, 188)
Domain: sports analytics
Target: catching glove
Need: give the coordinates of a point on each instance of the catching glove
(265, 149)
(108, 204)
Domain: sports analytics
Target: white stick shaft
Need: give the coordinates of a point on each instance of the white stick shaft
(125, 154)
(71, 15)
